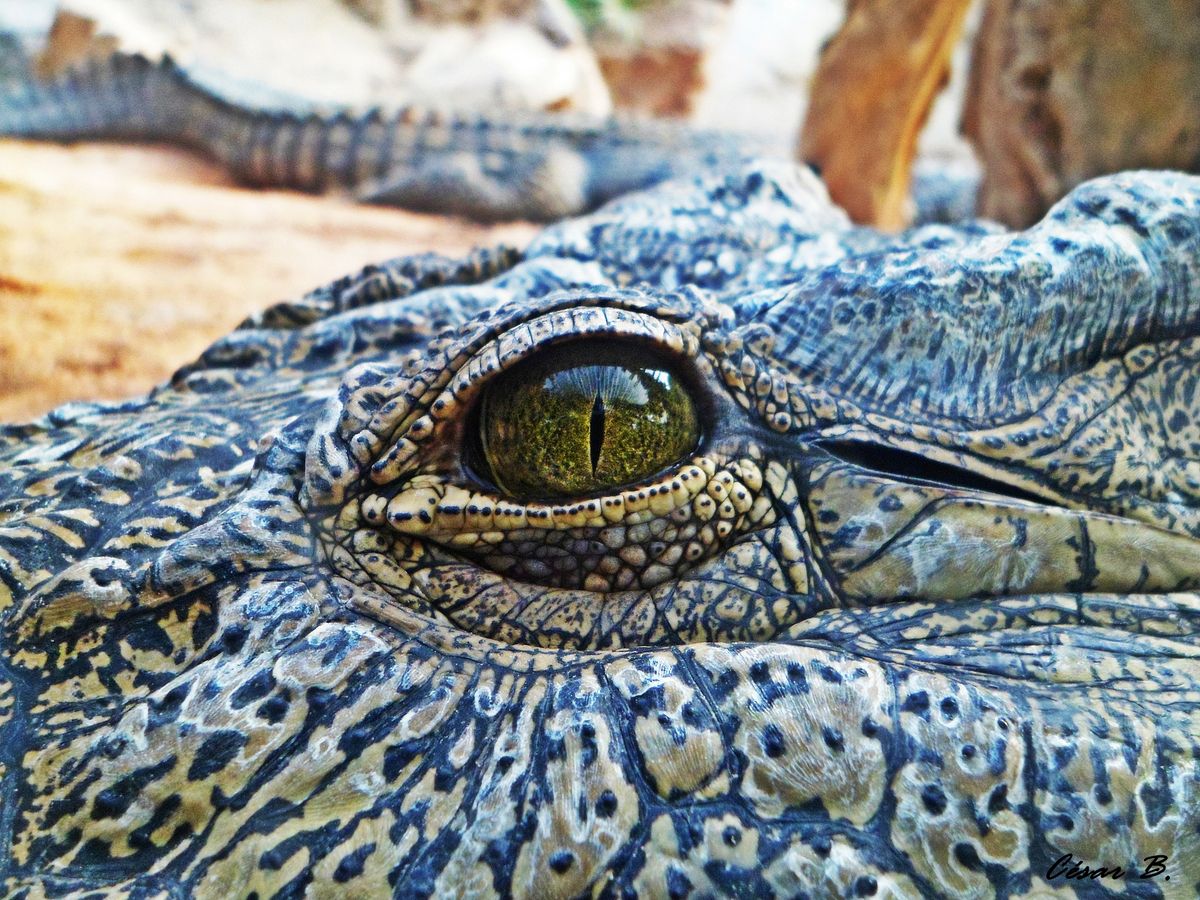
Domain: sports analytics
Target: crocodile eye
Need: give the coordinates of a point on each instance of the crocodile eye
(583, 417)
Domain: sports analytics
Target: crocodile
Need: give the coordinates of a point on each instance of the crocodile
(520, 165)
(708, 546)
(487, 167)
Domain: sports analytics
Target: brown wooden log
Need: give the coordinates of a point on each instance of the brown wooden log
(872, 92)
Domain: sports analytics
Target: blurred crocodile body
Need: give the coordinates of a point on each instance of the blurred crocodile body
(915, 615)
(511, 165)
(515, 166)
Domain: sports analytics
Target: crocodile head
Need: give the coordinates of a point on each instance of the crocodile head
(818, 561)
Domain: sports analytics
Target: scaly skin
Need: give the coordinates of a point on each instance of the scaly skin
(520, 166)
(917, 618)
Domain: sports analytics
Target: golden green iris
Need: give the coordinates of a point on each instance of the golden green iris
(583, 417)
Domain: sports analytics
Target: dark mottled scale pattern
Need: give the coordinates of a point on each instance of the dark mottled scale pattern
(916, 618)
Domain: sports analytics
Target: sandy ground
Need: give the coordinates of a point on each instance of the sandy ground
(118, 264)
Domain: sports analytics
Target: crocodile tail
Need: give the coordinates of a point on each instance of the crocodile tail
(521, 167)
(130, 97)
(266, 143)
(124, 96)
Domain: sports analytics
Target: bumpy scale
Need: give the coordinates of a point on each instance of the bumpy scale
(917, 616)
(517, 166)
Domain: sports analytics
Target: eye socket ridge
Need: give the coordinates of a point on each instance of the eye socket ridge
(581, 418)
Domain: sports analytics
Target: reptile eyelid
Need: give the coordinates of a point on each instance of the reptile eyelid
(455, 407)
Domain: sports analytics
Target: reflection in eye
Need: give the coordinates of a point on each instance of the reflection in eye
(584, 417)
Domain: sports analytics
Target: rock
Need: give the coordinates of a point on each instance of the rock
(756, 76)
(529, 55)
(654, 61)
(1064, 90)
(315, 49)
(119, 264)
(871, 95)
(658, 82)
(524, 54)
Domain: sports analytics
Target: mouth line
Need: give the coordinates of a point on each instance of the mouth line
(912, 468)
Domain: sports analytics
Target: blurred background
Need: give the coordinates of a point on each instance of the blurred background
(120, 263)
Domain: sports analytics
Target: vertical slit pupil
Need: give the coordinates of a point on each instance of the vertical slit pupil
(597, 430)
